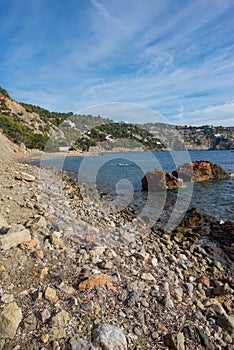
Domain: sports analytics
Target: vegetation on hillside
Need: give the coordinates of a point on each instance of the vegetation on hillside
(37, 127)
(3, 92)
(55, 118)
(112, 132)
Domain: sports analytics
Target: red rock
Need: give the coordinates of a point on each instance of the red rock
(98, 279)
(204, 280)
(200, 170)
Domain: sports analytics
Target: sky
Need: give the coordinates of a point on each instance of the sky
(175, 57)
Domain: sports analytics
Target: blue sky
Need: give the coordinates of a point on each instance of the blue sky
(174, 56)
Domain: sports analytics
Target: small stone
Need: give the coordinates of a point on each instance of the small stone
(226, 323)
(88, 306)
(50, 295)
(44, 338)
(30, 245)
(98, 251)
(15, 235)
(97, 279)
(174, 341)
(138, 331)
(218, 309)
(57, 333)
(60, 319)
(44, 272)
(178, 292)
(45, 315)
(189, 287)
(10, 319)
(73, 301)
(108, 337)
(30, 323)
(161, 328)
(204, 280)
(24, 176)
(146, 276)
(167, 302)
(105, 265)
(55, 238)
(218, 265)
(66, 289)
(7, 298)
(38, 254)
(80, 344)
(154, 262)
(142, 255)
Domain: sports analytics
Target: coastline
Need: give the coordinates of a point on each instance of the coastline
(150, 284)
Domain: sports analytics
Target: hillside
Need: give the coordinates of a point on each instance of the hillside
(38, 128)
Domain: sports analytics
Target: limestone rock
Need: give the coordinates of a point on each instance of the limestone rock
(24, 176)
(158, 179)
(16, 235)
(60, 319)
(200, 170)
(174, 341)
(50, 295)
(10, 319)
(108, 337)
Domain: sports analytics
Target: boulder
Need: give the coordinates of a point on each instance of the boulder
(200, 170)
(158, 179)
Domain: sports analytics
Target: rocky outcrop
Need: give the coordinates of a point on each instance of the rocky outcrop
(200, 170)
(158, 179)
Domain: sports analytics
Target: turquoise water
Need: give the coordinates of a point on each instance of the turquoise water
(120, 174)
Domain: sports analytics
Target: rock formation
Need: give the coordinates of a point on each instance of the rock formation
(199, 171)
(158, 179)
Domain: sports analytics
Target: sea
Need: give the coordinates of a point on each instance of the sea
(117, 177)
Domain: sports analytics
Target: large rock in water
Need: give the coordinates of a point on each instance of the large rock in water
(158, 179)
(200, 170)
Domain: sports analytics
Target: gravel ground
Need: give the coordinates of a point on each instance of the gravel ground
(74, 276)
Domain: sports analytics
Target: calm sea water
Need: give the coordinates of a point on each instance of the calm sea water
(120, 174)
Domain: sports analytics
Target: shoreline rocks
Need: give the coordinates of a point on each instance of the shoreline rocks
(199, 171)
(140, 286)
(158, 179)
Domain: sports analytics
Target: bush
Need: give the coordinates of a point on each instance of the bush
(12, 129)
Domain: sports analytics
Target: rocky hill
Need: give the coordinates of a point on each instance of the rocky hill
(36, 127)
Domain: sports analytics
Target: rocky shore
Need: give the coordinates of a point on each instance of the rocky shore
(75, 276)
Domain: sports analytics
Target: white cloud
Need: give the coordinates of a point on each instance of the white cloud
(214, 115)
